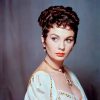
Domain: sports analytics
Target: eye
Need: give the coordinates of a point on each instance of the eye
(54, 38)
(69, 40)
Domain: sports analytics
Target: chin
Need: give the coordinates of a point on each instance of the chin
(59, 59)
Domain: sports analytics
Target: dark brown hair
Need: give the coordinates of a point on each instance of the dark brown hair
(59, 15)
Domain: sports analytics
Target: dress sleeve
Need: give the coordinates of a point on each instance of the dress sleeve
(39, 87)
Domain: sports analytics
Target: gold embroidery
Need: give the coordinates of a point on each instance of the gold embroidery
(50, 89)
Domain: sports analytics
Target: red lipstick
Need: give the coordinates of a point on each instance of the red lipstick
(60, 54)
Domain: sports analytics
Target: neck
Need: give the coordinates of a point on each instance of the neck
(55, 65)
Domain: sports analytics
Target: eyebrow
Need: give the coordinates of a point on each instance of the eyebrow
(55, 35)
(66, 37)
(70, 37)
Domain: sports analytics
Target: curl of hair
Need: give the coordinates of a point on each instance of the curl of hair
(59, 15)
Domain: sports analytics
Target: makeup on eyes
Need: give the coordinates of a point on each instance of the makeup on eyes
(55, 37)
(69, 39)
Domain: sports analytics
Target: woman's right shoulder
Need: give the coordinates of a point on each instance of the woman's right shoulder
(39, 75)
(40, 71)
(39, 85)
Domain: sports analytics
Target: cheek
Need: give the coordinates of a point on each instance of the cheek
(50, 47)
(69, 47)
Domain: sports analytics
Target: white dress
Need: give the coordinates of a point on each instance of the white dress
(42, 87)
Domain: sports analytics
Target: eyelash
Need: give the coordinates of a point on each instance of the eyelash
(69, 40)
(54, 38)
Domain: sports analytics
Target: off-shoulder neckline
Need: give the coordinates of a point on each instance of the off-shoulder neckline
(57, 90)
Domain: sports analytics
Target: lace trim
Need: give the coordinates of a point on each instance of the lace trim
(69, 95)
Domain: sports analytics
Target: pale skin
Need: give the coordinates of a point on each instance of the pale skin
(59, 40)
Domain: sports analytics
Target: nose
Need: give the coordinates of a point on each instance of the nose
(61, 46)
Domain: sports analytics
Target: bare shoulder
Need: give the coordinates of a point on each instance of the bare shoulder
(41, 67)
(39, 73)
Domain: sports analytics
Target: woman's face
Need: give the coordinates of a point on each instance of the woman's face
(59, 42)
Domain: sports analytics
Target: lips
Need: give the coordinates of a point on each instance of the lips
(60, 54)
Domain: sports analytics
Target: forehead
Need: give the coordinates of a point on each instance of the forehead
(60, 31)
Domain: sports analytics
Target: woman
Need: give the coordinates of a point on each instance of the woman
(52, 80)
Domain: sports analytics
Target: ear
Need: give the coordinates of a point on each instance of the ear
(42, 40)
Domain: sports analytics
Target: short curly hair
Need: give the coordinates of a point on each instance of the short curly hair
(61, 16)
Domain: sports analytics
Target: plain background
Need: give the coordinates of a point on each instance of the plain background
(21, 50)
